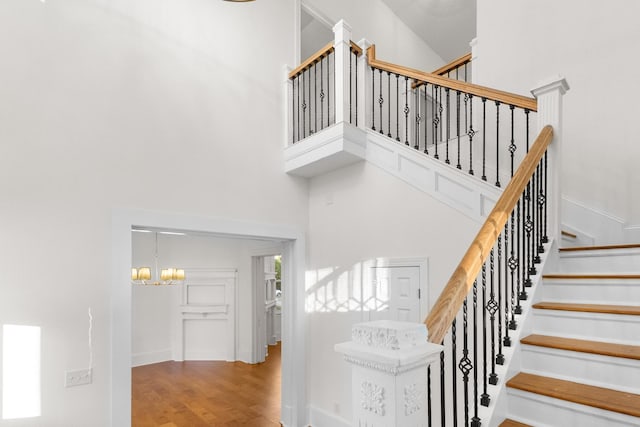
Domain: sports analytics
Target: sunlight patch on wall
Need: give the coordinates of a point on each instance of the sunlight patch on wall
(342, 290)
(20, 371)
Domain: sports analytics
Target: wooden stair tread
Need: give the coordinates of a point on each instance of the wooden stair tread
(590, 308)
(591, 276)
(584, 346)
(600, 248)
(598, 397)
(568, 234)
(510, 423)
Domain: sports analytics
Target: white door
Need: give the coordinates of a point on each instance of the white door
(397, 293)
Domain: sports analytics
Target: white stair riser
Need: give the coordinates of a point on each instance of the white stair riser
(602, 371)
(592, 326)
(610, 261)
(545, 411)
(609, 291)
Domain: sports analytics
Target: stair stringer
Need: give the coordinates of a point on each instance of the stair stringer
(498, 409)
(457, 189)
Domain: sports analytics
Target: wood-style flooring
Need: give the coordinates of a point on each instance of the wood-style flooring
(199, 394)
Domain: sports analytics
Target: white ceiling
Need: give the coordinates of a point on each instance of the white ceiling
(446, 25)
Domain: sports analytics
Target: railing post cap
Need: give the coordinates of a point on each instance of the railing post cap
(342, 24)
(364, 44)
(551, 84)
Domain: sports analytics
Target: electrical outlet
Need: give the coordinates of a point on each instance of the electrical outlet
(79, 377)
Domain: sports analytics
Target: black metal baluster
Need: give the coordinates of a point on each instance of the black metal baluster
(436, 111)
(315, 94)
(540, 213)
(440, 109)
(484, 139)
(471, 132)
(536, 215)
(308, 72)
(426, 115)
(475, 421)
(492, 307)
(545, 237)
(321, 93)
(406, 110)
(448, 127)
(389, 98)
(373, 96)
(459, 166)
(381, 102)
(465, 364)
(329, 88)
(298, 105)
(522, 272)
(397, 108)
(454, 373)
(293, 110)
(443, 412)
(304, 107)
(429, 412)
(416, 97)
(501, 299)
(484, 399)
(497, 143)
(466, 107)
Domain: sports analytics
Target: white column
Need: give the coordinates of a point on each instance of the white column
(342, 51)
(389, 375)
(288, 105)
(364, 85)
(549, 94)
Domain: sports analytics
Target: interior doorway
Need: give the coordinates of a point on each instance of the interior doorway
(267, 288)
(293, 395)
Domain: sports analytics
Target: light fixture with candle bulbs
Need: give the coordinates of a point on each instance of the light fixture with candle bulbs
(165, 276)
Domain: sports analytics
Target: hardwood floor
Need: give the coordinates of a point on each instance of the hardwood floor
(199, 394)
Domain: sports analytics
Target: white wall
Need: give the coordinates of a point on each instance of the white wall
(167, 106)
(356, 214)
(153, 306)
(373, 20)
(522, 43)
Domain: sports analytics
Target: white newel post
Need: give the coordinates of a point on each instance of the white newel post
(549, 94)
(389, 375)
(342, 51)
(364, 84)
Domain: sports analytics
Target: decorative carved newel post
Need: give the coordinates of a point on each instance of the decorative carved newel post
(389, 377)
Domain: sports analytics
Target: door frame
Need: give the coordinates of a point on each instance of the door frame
(256, 277)
(293, 401)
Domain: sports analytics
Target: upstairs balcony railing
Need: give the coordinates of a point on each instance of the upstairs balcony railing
(496, 136)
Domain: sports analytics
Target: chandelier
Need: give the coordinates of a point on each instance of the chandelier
(166, 276)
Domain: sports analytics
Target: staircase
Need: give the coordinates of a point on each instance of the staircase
(580, 363)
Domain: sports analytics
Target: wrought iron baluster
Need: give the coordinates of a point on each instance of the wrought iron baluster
(465, 363)
(454, 386)
(406, 110)
(484, 139)
(540, 214)
(308, 72)
(443, 412)
(545, 237)
(471, 132)
(293, 110)
(528, 224)
(315, 94)
(426, 115)
(435, 111)
(304, 106)
(357, 89)
(381, 102)
(418, 118)
(329, 88)
(502, 303)
(484, 398)
(373, 96)
(429, 411)
(321, 93)
(350, 83)
(397, 108)
(446, 90)
(298, 105)
(389, 98)
(536, 214)
(493, 307)
(475, 421)
(522, 294)
(459, 166)
(497, 143)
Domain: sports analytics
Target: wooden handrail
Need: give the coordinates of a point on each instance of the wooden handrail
(530, 104)
(324, 51)
(464, 59)
(453, 295)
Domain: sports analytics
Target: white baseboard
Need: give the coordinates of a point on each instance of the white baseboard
(322, 418)
(245, 357)
(149, 357)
